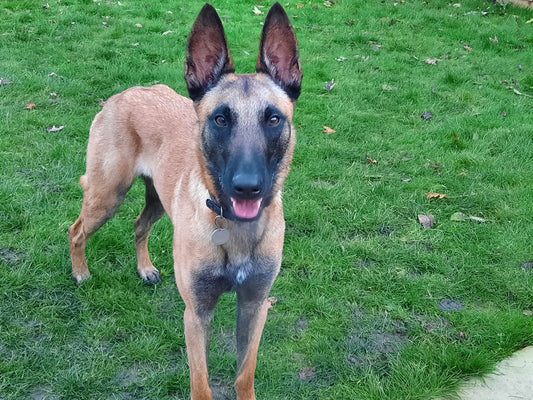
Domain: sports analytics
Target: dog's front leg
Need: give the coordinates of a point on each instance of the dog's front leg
(201, 291)
(253, 307)
(197, 332)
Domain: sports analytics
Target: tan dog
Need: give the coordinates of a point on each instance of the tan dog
(216, 165)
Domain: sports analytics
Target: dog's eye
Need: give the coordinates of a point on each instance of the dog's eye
(273, 120)
(220, 120)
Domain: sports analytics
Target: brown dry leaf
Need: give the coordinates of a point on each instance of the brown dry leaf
(467, 47)
(299, 5)
(328, 130)
(427, 221)
(436, 196)
(30, 106)
(307, 374)
(371, 161)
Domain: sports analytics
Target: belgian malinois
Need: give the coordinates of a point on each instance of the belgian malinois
(216, 165)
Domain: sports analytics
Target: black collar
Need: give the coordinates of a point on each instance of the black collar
(215, 206)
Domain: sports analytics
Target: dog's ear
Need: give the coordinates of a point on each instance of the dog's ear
(208, 56)
(278, 53)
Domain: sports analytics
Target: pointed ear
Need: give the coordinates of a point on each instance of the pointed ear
(278, 53)
(208, 56)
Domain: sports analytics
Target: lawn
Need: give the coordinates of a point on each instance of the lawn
(400, 99)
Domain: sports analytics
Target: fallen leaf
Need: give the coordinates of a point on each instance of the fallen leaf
(299, 5)
(520, 93)
(388, 88)
(166, 33)
(457, 5)
(371, 161)
(330, 85)
(427, 221)
(494, 40)
(458, 217)
(257, 11)
(461, 217)
(52, 74)
(341, 59)
(436, 196)
(350, 22)
(138, 25)
(271, 301)
(431, 61)
(504, 113)
(477, 219)
(328, 130)
(52, 129)
(105, 24)
(528, 266)
(467, 47)
(307, 374)
(427, 116)
(5, 81)
(30, 106)
(528, 313)
(45, 6)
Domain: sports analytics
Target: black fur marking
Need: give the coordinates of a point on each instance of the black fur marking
(251, 280)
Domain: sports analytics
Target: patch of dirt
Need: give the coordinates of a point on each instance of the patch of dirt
(301, 326)
(11, 257)
(437, 326)
(42, 393)
(222, 389)
(227, 340)
(450, 305)
(374, 340)
(365, 263)
(128, 377)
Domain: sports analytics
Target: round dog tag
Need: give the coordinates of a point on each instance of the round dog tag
(219, 236)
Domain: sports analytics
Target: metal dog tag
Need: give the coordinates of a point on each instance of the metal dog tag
(220, 236)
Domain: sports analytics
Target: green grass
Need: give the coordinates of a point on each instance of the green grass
(358, 314)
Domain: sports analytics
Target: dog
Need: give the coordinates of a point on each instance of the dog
(216, 164)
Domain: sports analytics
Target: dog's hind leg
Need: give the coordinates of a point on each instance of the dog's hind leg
(102, 197)
(152, 212)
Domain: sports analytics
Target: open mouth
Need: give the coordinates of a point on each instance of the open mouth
(246, 209)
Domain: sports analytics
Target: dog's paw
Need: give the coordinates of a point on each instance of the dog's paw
(80, 278)
(151, 277)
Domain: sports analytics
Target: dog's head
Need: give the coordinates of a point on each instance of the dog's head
(247, 137)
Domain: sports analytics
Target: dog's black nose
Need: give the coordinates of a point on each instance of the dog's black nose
(247, 185)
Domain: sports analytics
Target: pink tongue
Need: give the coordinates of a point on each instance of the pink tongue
(246, 208)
